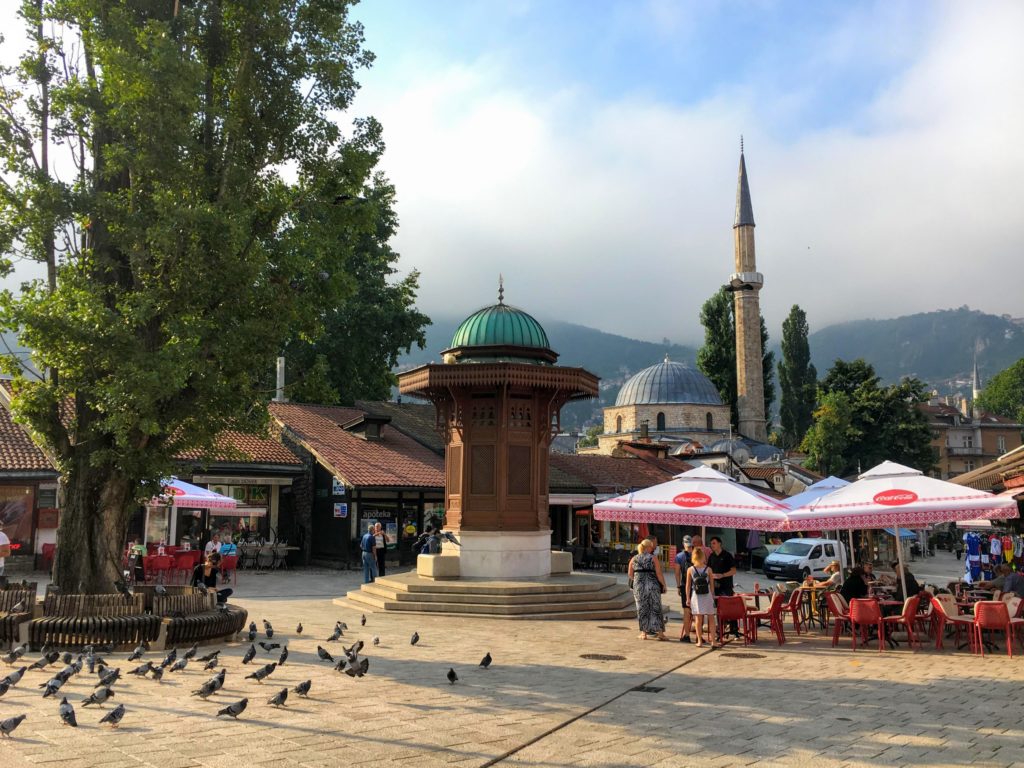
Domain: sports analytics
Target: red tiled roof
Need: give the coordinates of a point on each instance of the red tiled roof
(18, 452)
(244, 448)
(613, 473)
(762, 473)
(396, 460)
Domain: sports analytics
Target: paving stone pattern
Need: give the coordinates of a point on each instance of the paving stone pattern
(540, 704)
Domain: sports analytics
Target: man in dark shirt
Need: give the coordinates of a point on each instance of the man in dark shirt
(723, 566)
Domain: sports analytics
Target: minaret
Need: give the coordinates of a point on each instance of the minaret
(746, 284)
(975, 382)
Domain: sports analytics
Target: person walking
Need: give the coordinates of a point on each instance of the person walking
(648, 586)
(381, 544)
(723, 566)
(367, 546)
(679, 568)
(699, 580)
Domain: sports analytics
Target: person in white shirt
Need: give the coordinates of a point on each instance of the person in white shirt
(213, 545)
(5, 550)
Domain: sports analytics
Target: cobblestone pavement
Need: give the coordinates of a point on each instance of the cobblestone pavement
(540, 704)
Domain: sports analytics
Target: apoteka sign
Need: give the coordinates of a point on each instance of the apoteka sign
(692, 499)
(895, 497)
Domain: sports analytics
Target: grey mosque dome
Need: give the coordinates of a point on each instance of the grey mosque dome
(668, 382)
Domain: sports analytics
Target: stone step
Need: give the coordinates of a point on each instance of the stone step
(380, 589)
(581, 611)
(410, 582)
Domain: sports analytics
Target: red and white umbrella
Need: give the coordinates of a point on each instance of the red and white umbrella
(699, 497)
(178, 493)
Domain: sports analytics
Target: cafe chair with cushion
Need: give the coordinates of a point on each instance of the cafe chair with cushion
(732, 608)
(840, 614)
(907, 618)
(865, 613)
(794, 606)
(773, 615)
(229, 569)
(156, 567)
(993, 616)
(941, 618)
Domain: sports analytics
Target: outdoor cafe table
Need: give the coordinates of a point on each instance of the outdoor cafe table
(814, 610)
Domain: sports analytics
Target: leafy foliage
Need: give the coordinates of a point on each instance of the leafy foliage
(797, 379)
(589, 438)
(859, 424)
(1004, 393)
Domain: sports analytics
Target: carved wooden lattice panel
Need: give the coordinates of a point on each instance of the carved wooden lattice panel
(481, 472)
(455, 469)
(519, 470)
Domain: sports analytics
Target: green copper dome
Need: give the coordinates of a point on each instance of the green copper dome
(500, 333)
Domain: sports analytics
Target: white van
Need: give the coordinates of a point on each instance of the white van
(796, 559)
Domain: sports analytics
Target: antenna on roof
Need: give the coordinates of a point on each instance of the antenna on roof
(501, 289)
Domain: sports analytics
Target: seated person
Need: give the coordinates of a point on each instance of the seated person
(913, 588)
(205, 574)
(832, 582)
(999, 582)
(855, 586)
(213, 545)
(1014, 582)
(228, 547)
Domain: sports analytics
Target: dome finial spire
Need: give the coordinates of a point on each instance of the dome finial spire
(741, 143)
(501, 288)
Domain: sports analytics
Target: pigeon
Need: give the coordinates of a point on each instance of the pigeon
(143, 669)
(234, 710)
(362, 620)
(268, 629)
(65, 674)
(211, 664)
(209, 657)
(51, 686)
(137, 653)
(340, 666)
(262, 672)
(211, 686)
(268, 647)
(485, 662)
(452, 677)
(324, 655)
(114, 716)
(46, 660)
(158, 674)
(191, 652)
(415, 638)
(98, 697)
(298, 629)
(67, 657)
(90, 661)
(252, 631)
(108, 648)
(169, 658)
(110, 677)
(376, 640)
(160, 590)
(123, 590)
(47, 648)
(14, 677)
(284, 656)
(335, 635)
(4, 688)
(67, 713)
(343, 625)
(249, 655)
(358, 670)
(18, 607)
(358, 646)
(279, 698)
(303, 688)
(7, 726)
(179, 666)
(13, 656)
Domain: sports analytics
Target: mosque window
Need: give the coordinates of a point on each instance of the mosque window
(660, 422)
(618, 423)
(710, 422)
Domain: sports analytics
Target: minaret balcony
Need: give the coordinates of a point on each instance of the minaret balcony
(745, 281)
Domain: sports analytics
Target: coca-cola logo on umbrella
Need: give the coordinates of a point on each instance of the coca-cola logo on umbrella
(895, 498)
(170, 490)
(692, 499)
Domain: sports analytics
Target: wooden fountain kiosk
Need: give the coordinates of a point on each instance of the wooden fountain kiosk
(498, 394)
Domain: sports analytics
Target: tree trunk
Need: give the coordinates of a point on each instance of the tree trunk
(98, 501)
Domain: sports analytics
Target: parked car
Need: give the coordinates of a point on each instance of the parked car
(797, 559)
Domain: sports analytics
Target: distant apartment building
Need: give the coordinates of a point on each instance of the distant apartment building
(965, 440)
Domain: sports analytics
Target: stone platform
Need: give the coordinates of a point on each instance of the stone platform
(571, 596)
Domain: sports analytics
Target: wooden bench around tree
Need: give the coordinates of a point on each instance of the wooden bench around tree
(11, 622)
(74, 620)
(195, 617)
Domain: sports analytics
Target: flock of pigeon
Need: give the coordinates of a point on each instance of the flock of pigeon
(348, 661)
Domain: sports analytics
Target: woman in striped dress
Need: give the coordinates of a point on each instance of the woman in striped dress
(648, 586)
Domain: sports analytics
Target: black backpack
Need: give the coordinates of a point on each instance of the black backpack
(701, 583)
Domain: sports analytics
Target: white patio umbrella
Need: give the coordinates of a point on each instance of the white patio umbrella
(701, 496)
(892, 495)
(178, 493)
(816, 491)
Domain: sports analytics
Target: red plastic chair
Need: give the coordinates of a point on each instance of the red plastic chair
(992, 615)
(940, 618)
(795, 607)
(47, 555)
(863, 614)
(157, 566)
(908, 619)
(732, 608)
(184, 563)
(839, 615)
(229, 568)
(773, 615)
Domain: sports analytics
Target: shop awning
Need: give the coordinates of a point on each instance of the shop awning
(240, 512)
(178, 493)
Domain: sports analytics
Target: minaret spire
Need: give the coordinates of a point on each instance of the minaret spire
(501, 288)
(975, 379)
(744, 210)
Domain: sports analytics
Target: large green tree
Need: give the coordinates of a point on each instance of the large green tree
(203, 226)
(717, 357)
(798, 379)
(860, 423)
(1004, 393)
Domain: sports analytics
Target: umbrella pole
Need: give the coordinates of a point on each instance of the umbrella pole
(853, 557)
(899, 556)
(703, 535)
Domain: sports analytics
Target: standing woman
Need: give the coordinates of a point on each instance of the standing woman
(702, 595)
(381, 541)
(648, 586)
